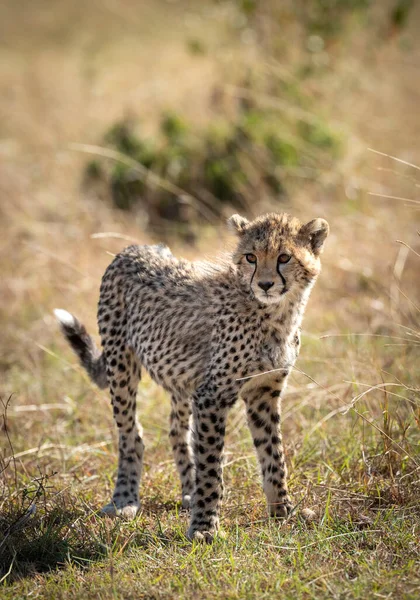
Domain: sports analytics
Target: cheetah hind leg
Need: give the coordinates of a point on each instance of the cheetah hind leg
(123, 371)
(180, 437)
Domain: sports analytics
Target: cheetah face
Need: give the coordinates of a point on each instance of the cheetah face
(270, 277)
(277, 256)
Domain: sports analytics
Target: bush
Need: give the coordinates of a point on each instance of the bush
(185, 171)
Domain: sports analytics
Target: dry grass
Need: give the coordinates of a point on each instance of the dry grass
(352, 411)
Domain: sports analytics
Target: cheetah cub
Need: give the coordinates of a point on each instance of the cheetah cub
(208, 333)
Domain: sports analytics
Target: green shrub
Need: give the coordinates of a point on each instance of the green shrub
(228, 164)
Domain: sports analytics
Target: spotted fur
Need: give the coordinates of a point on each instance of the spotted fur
(208, 333)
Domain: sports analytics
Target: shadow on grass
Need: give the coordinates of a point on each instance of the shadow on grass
(63, 531)
(35, 542)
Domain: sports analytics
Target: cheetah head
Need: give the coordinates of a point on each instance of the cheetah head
(278, 256)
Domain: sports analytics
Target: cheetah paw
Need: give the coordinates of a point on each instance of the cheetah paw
(280, 511)
(127, 513)
(186, 501)
(205, 536)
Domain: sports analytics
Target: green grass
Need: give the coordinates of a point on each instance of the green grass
(271, 561)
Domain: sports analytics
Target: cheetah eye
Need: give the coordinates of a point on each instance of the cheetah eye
(251, 258)
(284, 258)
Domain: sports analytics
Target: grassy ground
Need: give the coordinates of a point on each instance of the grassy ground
(352, 410)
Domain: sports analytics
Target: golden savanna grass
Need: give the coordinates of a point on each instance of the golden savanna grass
(352, 410)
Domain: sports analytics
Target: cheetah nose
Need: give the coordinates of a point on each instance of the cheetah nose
(265, 285)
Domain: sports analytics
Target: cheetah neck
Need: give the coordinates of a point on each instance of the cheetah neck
(287, 316)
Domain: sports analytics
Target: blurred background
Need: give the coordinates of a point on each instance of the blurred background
(124, 121)
(156, 120)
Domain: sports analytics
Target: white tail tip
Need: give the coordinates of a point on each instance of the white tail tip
(64, 317)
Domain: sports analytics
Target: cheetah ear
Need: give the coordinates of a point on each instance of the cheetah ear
(315, 233)
(237, 224)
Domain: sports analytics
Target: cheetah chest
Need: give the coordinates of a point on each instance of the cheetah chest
(277, 351)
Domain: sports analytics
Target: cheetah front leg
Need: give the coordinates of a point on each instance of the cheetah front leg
(209, 423)
(263, 409)
(180, 434)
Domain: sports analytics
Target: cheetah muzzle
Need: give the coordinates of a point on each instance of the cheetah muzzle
(208, 333)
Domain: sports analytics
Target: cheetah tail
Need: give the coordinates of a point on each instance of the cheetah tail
(84, 346)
